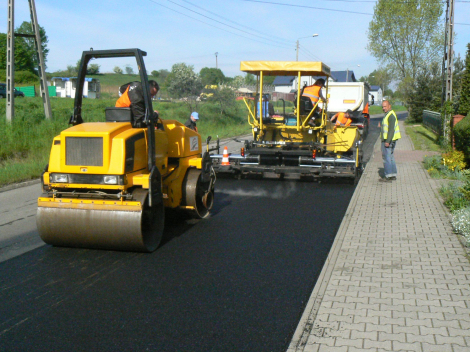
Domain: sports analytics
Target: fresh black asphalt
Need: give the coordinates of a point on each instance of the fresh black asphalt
(237, 281)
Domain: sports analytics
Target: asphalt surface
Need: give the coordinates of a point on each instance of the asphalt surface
(237, 281)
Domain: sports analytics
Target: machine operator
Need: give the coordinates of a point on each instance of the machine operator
(133, 97)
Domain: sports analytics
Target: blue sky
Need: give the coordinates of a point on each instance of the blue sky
(171, 31)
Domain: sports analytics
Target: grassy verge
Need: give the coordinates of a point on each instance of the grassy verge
(422, 138)
(377, 109)
(26, 142)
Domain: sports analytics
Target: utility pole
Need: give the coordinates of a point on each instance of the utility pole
(448, 63)
(10, 111)
(216, 65)
(297, 51)
(10, 61)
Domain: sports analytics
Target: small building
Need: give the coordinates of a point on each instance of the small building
(376, 92)
(244, 93)
(66, 87)
(61, 86)
(283, 84)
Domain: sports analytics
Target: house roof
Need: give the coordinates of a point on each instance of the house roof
(340, 76)
(374, 88)
(283, 80)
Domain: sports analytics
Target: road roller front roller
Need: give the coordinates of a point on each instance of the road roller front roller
(107, 184)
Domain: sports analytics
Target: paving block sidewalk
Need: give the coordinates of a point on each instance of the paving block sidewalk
(396, 278)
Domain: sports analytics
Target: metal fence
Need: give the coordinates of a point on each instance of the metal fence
(432, 121)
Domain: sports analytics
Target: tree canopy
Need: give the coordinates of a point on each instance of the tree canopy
(25, 50)
(211, 76)
(183, 82)
(407, 35)
(464, 102)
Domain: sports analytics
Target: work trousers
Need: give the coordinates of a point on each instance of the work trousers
(390, 168)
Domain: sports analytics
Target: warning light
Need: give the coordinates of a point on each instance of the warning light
(314, 154)
(242, 152)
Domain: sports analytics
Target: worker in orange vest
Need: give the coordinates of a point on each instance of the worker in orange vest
(133, 97)
(314, 93)
(342, 118)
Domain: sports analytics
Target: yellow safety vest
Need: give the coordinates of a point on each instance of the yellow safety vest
(397, 134)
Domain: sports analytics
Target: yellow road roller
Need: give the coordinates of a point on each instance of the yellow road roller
(302, 142)
(108, 183)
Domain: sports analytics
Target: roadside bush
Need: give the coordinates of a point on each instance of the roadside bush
(454, 160)
(21, 77)
(462, 137)
(465, 189)
(461, 222)
(454, 199)
(437, 167)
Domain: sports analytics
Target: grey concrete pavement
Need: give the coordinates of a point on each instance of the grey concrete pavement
(397, 277)
(18, 233)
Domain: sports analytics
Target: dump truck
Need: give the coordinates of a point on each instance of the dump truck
(352, 96)
(107, 184)
(286, 143)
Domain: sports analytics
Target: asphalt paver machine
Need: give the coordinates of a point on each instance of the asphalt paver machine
(303, 142)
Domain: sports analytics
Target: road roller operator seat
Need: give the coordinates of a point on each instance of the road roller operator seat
(114, 114)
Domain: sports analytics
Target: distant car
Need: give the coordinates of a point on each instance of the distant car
(3, 91)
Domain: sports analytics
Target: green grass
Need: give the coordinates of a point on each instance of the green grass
(26, 142)
(422, 138)
(377, 109)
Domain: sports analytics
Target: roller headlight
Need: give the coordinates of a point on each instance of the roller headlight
(110, 180)
(60, 178)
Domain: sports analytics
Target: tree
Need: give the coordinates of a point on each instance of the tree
(464, 103)
(71, 70)
(426, 93)
(211, 76)
(184, 83)
(27, 28)
(163, 74)
(23, 58)
(129, 70)
(225, 98)
(117, 70)
(93, 69)
(155, 73)
(407, 35)
(250, 79)
(238, 81)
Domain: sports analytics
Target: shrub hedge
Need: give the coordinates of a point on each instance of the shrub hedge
(462, 136)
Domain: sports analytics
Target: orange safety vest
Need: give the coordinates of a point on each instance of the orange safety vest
(343, 120)
(312, 92)
(124, 101)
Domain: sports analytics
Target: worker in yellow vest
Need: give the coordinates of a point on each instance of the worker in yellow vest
(389, 134)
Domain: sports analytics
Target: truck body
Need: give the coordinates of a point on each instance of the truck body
(352, 96)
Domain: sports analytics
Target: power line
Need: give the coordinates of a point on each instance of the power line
(308, 7)
(345, 11)
(211, 25)
(238, 24)
(212, 19)
(312, 55)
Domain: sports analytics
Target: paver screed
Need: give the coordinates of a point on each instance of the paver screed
(396, 278)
